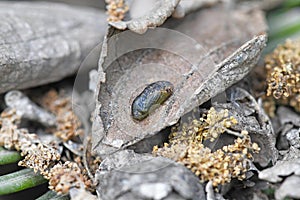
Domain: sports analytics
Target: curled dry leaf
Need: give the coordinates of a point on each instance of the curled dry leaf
(199, 68)
(288, 116)
(155, 17)
(252, 118)
(45, 42)
(262, 4)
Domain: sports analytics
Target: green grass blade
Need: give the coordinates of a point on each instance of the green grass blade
(20, 180)
(8, 157)
(291, 4)
(286, 32)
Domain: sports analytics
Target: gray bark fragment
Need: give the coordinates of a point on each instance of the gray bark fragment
(44, 42)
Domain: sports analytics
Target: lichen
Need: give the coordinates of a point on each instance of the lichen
(283, 73)
(219, 166)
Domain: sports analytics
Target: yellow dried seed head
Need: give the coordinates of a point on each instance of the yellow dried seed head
(219, 166)
(116, 10)
(283, 73)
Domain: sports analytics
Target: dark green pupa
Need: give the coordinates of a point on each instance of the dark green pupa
(151, 97)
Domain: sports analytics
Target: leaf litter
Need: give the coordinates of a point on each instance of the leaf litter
(199, 149)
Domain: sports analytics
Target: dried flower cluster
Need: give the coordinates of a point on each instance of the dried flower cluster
(38, 156)
(210, 126)
(93, 163)
(68, 124)
(219, 166)
(67, 175)
(116, 10)
(283, 73)
(41, 157)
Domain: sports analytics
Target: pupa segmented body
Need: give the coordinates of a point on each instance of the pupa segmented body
(151, 97)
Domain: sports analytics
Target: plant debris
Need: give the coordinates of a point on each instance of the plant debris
(283, 73)
(210, 131)
(185, 7)
(116, 10)
(172, 58)
(153, 18)
(43, 42)
(27, 109)
(38, 156)
(220, 166)
(45, 158)
(68, 125)
(285, 173)
(252, 118)
(62, 177)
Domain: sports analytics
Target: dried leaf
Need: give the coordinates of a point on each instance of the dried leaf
(251, 117)
(155, 17)
(197, 70)
(45, 42)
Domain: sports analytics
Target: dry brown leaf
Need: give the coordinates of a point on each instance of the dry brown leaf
(197, 72)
